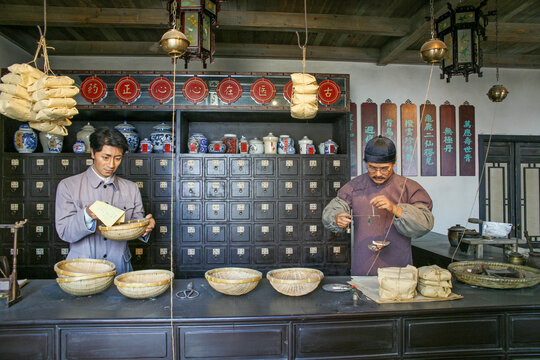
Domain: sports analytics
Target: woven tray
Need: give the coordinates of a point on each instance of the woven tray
(294, 281)
(232, 280)
(130, 230)
(459, 270)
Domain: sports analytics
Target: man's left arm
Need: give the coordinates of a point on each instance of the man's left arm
(416, 217)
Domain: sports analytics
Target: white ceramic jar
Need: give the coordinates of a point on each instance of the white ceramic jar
(51, 143)
(256, 146)
(84, 136)
(270, 143)
(304, 142)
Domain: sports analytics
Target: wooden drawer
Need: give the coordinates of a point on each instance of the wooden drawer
(20, 343)
(135, 342)
(524, 331)
(234, 342)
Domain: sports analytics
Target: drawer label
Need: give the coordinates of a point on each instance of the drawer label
(163, 229)
(240, 207)
(289, 163)
(191, 252)
(139, 251)
(215, 163)
(313, 228)
(337, 163)
(264, 184)
(191, 207)
(289, 228)
(288, 207)
(240, 251)
(312, 250)
(163, 185)
(313, 185)
(336, 250)
(163, 251)
(265, 207)
(64, 251)
(337, 184)
(265, 163)
(64, 162)
(313, 163)
(216, 252)
(240, 163)
(216, 229)
(240, 230)
(240, 185)
(40, 162)
(89, 162)
(14, 162)
(39, 229)
(264, 251)
(139, 162)
(313, 207)
(190, 185)
(289, 251)
(288, 185)
(215, 207)
(191, 163)
(164, 162)
(215, 185)
(265, 229)
(191, 229)
(14, 184)
(140, 184)
(39, 185)
(40, 207)
(165, 207)
(14, 207)
(40, 251)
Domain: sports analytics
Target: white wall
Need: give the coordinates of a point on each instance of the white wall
(454, 197)
(11, 53)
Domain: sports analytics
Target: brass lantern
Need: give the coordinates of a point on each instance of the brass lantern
(462, 29)
(433, 50)
(196, 18)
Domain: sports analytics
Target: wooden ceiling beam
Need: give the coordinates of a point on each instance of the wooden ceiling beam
(515, 32)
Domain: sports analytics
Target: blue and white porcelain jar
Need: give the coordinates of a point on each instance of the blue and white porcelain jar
(161, 133)
(130, 133)
(51, 143)
(79, 147)
(203, 142)
(146, 146)
(25, 139)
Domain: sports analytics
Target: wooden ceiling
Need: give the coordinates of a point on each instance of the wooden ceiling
(374, 31)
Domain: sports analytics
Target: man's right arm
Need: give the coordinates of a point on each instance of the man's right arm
(70, 220)
(334, 207)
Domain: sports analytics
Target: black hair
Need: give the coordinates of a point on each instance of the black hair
(105, 136)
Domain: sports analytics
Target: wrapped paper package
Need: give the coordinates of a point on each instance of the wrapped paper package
(443, 283)
(48, 81)
(434, 272)
(54, 103)
(26, 70)
(434, 291)
(55, 92)
(16, 90)
(56, 113)
(51, 127)
(304, 96)
(397, 283)
(303, 79)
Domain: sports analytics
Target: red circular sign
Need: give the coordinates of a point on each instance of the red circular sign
(161, 90)
(195, 90)
(127, 89)
(287, 91)
(93, 89)
(262, 91)
(329, 92)
(229, 90)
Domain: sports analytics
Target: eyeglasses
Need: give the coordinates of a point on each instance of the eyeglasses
(383, 170)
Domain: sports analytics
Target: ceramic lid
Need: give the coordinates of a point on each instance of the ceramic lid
(229, 135)
(163, 127)
(305, 139)
(255, 141)
(284, 136)
(270, 136)
(123, 126)
(89, 127)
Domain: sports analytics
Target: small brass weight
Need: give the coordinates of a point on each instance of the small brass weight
(14, 294)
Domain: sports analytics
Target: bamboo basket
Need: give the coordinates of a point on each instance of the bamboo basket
(233, 280)
(87, 284)
(295, 281)
(144, 284)
(130, 230)
(460, 271)
(83, 267)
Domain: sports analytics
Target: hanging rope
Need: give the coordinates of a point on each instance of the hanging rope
(303, 47)
(42, 44)
(171, 251)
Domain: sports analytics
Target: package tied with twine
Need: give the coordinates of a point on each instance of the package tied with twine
(304, 96)
(434, 281)
(15, 98)
(397, 283)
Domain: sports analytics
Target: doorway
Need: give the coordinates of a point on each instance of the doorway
(510, 188)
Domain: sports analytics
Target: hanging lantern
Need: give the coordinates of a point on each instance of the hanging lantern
(433, 50)
(196, 18)
(174, 43)
(462, 29)
(497, 93)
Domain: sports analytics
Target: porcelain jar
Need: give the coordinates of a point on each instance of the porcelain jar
(25, 139)
(84, 136)
(193, 145)
(284, 145)
(231, 142)
(130, 133)
(270, 144)
(161, 133)
(79, 147)
(328, 147)
(304, 142)
(203, 142)
(256, 146)
(243, 146)
(145, 146)
(51, 143)
(217, 147)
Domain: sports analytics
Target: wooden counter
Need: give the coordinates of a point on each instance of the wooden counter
(486, 324)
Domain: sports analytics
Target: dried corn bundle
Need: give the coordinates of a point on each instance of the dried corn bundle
(397, 283)
(434, 281)
(304, 96)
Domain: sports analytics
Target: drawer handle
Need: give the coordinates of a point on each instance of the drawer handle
(215, 190)
(313, 168)
(191, 212)
(40, 189)
(39, 212)
(240, 168)
(13, 189)
(336, 168)
(240, 212)
(40, 167)
(215, 212)
(215, 167)
(191, 191)
(265, 211)
(191, 168)
(38, 234)
(264, 190)
(64, 167)
(13, 212)
(13, 167)
(289, 212)
(240, 191)
(163, 212)
(313, 191)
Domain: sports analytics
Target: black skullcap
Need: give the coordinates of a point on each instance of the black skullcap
(380, 150)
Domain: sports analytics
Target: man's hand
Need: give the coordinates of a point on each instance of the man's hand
(151, 224)
(90, 212)
(343, 219)
(383, 203)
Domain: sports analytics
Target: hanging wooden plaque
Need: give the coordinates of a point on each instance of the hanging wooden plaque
(369, 126)
(428, 138)
(262, 91)
(329, 92)
(409, 132)
(161, 90)
(93, 89)
(389, 121)
(353, 122)
(448, 139)
(195, 90)
(229, 90)
(467, 141)
(127, 89)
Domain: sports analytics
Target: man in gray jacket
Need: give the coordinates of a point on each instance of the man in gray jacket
(76, 224)
(386, 207)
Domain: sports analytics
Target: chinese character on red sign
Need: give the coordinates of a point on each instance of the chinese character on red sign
(329, 92)
(263, 91)
(287, 91)
(93, 89)
(161, 90)
(195, 90)
(127, 89)
(229, 90)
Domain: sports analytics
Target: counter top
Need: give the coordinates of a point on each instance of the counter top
(44, 302)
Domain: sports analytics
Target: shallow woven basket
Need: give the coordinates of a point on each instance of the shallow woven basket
(233, 280)
(295, 281)
(459, 270)
(82, 267)
(143, 284)
(130, 230)
(87, 284)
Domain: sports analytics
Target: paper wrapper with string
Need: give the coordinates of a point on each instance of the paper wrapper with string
(304, 86)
